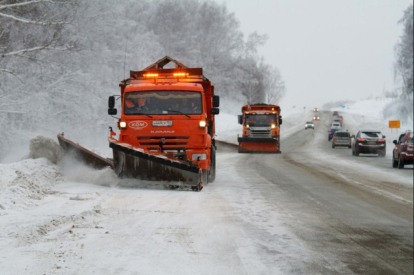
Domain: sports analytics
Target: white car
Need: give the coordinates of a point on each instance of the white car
(309, 124)
(336, 126)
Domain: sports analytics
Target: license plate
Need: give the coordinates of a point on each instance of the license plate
(372, 142)
(162, 123)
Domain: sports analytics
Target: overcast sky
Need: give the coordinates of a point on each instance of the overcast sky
(326, 50)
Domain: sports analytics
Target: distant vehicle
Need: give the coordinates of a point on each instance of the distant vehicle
(337, 121)
(369, 142)
(341, 119)
(331, 133)
(341, 138)
(335, 113)
(403, 150)
(316, 118)
(315, 109)
(336, 126)
(309, 124)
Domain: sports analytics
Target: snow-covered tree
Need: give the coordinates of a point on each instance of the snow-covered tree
(404, 69)
(61, 59)
(404, 52)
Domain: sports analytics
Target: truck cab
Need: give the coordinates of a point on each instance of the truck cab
(261, 128)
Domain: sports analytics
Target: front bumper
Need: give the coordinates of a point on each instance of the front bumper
(250, 139)
(341, 143)
(408, 158)
(366, 148)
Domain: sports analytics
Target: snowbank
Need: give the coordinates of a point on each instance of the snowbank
(25, 182)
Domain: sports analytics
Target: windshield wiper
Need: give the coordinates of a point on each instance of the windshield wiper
(176, 111)
(142, 114)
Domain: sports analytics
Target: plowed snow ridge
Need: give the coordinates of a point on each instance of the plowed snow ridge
(25, 182)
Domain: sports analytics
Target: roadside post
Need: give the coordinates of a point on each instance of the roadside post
(394, 124)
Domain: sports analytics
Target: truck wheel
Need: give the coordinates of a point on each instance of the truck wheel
(205, 177)
(394, 162)
(212, 172)
(400, 163)
(356, 152)
(382, 154)
(353, 152)
(333, 146)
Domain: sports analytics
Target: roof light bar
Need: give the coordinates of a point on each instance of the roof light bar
(150, 75)
(180, 74)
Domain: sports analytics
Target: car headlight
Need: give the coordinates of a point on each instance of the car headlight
(202, 124)
(122, 124)
(199, 157)
(273, 126)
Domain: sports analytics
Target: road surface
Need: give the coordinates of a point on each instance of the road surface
(310, 210)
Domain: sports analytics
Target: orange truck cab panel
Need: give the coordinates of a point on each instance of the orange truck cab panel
(261, 128)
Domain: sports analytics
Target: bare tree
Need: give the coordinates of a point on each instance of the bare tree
(404, 52)
(275, 86)
(29, 27)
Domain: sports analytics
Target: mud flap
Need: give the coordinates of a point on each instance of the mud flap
(83, 154)
(132, 163)
(258, 145)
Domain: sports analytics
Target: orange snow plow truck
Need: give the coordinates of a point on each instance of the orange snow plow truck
(261, 129)
(166, 126)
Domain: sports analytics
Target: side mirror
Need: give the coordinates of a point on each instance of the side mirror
(111, 102)
(280, 120)
(384, 136)
(216, 101)
(112, 112)
(395, 142)
(240, 117)
(215, 111)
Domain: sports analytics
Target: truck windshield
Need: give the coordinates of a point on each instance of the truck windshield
(260, 120)
(162, 103)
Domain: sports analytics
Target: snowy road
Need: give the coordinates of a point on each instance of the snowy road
(310, 210)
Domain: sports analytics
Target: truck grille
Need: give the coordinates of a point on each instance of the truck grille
(260, 133)
(171, 143)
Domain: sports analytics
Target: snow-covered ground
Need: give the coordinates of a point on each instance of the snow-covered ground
(67, 218)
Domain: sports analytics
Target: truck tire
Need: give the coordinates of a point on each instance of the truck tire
(212, 172)
(400, 163)
(356, 152)
(394, 162)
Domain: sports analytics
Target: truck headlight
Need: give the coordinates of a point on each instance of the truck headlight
(122, 124)
(273, 126)
(202, 124)
(199, 157)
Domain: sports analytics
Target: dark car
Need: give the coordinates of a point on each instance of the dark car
(341, 138)
(369, 142)
(331, 133)
(403, 150)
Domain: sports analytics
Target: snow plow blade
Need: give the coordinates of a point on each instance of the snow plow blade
(258, 145)
(131, 162)
(83, 154)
